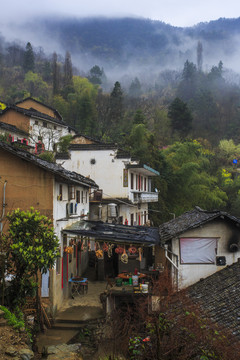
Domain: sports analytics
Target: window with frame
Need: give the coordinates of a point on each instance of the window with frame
(132, 181)
(71, 192)
(198, 250)
(45, 124)
(60, 194)
(132, 219)
(78, 196)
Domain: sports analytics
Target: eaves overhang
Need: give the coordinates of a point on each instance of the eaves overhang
(58, 171)
(144, 169)
(119, 234)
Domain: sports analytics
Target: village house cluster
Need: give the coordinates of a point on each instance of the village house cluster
(98, 197)
(90, 181)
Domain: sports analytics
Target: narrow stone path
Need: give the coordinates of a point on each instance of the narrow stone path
(76, 320)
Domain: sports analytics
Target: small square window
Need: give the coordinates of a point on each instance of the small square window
(45, 124)
(36, 122)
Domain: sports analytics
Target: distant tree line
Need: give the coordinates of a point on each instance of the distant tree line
(185, 125)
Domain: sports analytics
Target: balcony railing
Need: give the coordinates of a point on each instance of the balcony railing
(143, 197)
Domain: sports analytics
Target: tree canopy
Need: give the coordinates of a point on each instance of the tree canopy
(33, 247)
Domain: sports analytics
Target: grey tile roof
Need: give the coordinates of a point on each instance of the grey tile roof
(218, 296)
(60, 173)
(87, 137)
(123, 234)
(35, 114)
(190, 220)
(12, 128)
(96, 146)
(39, 102)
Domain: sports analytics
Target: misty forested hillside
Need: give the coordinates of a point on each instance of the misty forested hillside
(170, 96)
(122, 42)
(119, 43)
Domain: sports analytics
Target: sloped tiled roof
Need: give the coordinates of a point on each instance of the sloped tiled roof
(96, 146)
(12, 128)
(39, 102)
(191, 220)
(141, 235)
(218, 296)
(87, 137)
(34, 113)
(60, 173)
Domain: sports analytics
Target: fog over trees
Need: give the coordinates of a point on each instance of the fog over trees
(181, 117)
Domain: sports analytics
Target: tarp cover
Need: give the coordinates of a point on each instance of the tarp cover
(198, 250)
(114, 232)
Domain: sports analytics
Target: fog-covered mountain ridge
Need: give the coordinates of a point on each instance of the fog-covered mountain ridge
(123, 42)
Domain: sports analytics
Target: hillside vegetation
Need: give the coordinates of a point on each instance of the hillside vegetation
(182, 121)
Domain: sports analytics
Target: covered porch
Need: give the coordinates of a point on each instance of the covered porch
(118, 254)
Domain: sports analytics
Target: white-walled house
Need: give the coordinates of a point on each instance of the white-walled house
(124, 183)
(13, 134)
(61, 195)
(43, 124)
(197, 244)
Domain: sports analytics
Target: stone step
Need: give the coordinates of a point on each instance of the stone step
(71, 321)
(55, 337)
(67, 326)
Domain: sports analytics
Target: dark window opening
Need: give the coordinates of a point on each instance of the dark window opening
(78, 200)
(60, 192)
(132, 180)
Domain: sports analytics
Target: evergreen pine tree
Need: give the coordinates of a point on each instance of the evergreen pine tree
(28, 61)
(56, 74)
(181, 117)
